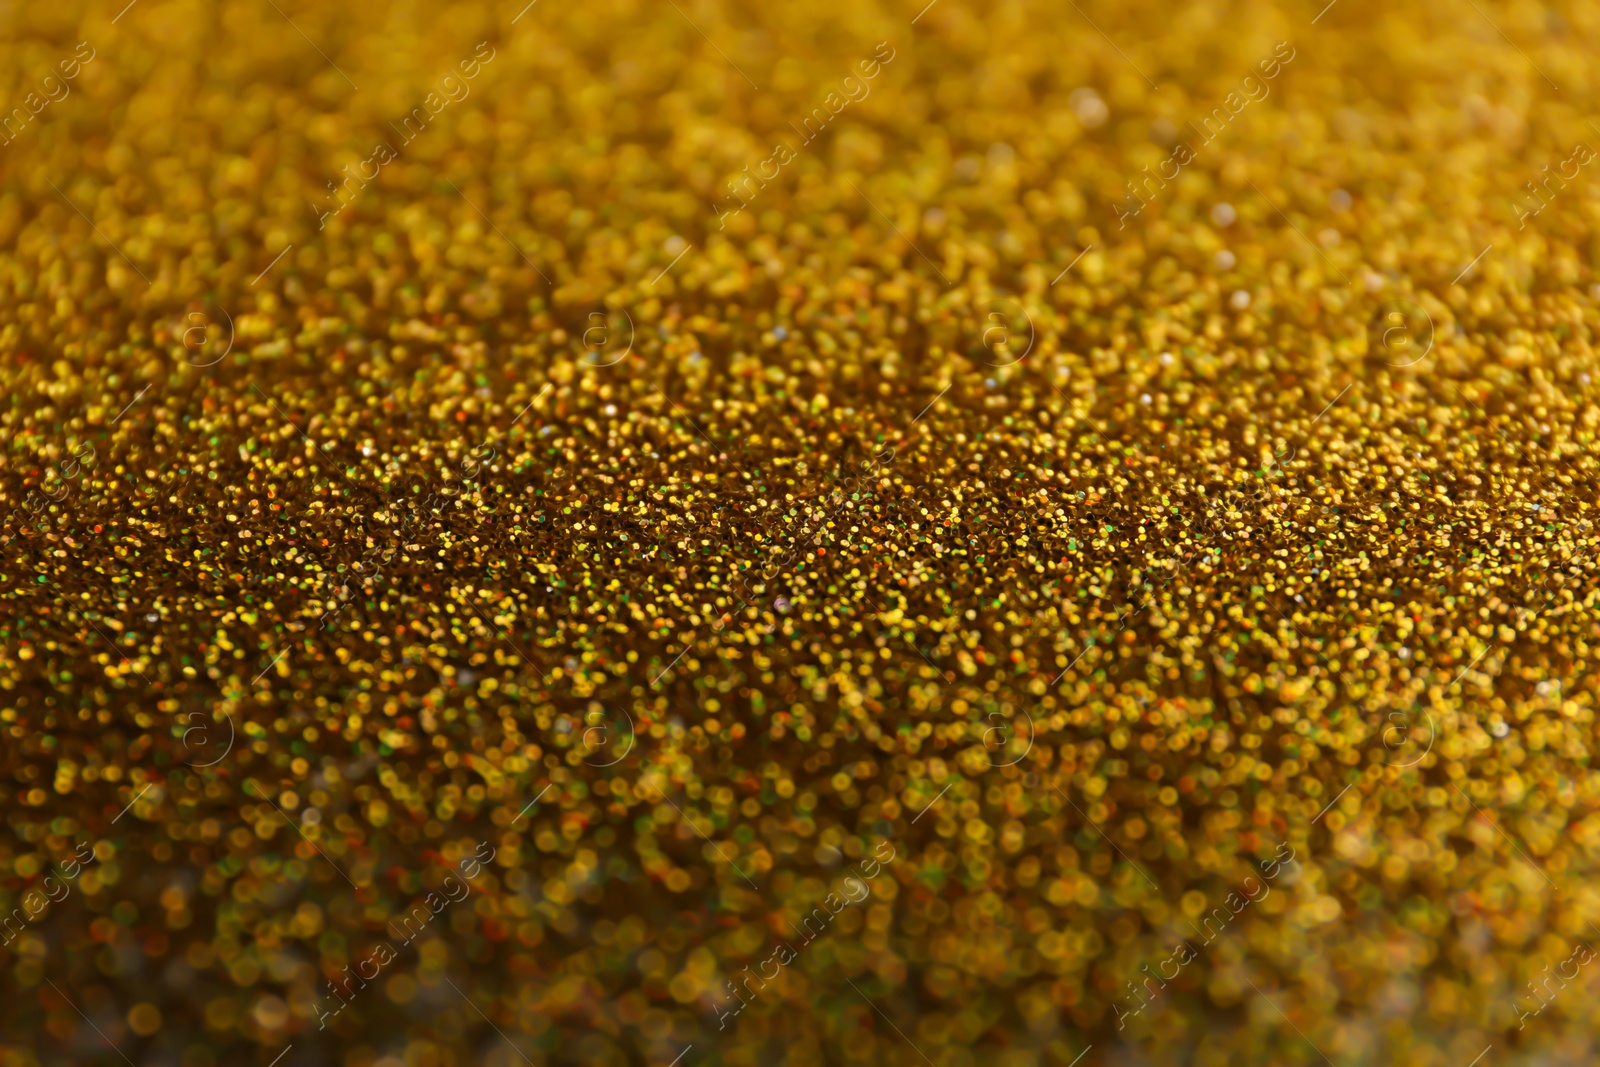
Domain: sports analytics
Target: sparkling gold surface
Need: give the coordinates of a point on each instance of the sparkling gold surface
(626, 478)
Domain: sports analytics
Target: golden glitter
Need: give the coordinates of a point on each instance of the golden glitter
(787, 534)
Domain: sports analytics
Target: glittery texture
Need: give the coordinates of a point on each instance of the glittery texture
(751, 534)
